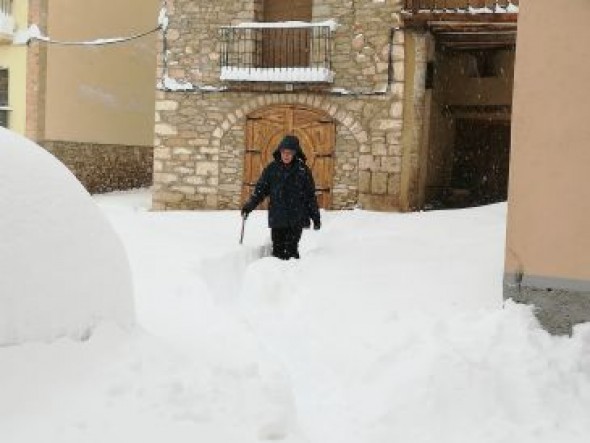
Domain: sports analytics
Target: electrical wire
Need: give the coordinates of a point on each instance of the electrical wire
(97, 42)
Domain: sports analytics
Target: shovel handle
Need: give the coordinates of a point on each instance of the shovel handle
(242, 232)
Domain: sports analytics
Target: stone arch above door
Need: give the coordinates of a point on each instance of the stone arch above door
(316, 131)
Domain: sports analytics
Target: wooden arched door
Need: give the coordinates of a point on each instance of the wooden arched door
(316, 131)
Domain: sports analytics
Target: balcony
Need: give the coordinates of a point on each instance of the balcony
(6, 21)
(285, 52)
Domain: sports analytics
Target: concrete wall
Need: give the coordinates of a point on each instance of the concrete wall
(15, 59)
(548, 240)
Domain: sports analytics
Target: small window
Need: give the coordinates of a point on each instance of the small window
(6, 7)
(3, 87)
(3, 118)
(4, 97)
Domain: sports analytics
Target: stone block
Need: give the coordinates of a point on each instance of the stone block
(358, 42)
(366, 162)
(391, 164)
(398, 52)
(364, 181)
(211, 201)
(166, 105)
(396, 110)
(194, 180)
(187, 190)
(165, 177)
(182, 151)
(373, 202)
(379, 149)
(394, 184)
(206, 168)
(399, 71)
(165, 129)
(169, 197)
(379, 183)
(395, 149)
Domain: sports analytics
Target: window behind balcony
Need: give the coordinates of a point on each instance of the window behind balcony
(284, 47)
(4, 97)
(6, 7)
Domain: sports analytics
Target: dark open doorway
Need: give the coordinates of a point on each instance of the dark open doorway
(467, 137)
(481, 155)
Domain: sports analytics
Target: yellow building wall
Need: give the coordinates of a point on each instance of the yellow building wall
(101, 94)
(15, 59)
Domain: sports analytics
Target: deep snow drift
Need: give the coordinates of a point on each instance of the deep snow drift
(63, 270)
(390, 329)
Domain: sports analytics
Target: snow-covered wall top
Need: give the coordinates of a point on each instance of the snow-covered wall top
(63, 268)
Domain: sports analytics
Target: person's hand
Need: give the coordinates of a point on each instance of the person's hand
(317, 225)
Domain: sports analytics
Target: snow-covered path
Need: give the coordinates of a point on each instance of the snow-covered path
(390, 329)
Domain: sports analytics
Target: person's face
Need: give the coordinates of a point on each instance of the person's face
(287, 156)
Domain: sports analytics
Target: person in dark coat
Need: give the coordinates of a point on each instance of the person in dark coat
(289, 184)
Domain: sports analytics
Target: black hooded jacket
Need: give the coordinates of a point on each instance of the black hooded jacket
(291, 189)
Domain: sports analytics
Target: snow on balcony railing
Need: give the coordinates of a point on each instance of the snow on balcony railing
(287, 75)
(462, 6)
(277, 52)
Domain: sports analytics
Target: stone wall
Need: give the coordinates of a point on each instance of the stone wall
(200, 134)
(104, 168)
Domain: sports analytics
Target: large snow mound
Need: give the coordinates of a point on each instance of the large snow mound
(63, 269)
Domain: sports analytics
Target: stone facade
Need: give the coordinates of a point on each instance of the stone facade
(104, 168)
(200, 133)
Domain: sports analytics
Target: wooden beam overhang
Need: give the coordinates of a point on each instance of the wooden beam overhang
(422, 18)
(461, 31)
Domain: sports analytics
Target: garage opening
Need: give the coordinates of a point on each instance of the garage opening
(466, 139)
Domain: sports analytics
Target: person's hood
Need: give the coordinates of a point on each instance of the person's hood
(292, 143)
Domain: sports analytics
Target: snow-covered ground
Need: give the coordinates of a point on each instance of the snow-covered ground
(390, 329)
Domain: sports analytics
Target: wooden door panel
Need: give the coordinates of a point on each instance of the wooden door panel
(286, 10)
(286, 47)
(316, 133)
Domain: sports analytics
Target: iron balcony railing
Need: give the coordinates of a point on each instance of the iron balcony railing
(475, 6)
(280, 52)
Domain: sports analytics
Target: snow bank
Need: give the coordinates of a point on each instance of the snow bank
(63, 269)
(391, 328)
